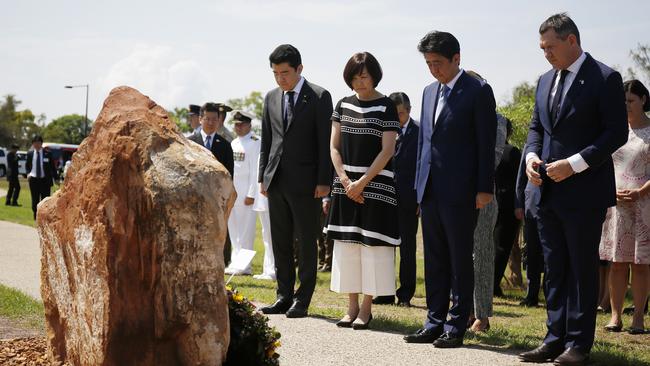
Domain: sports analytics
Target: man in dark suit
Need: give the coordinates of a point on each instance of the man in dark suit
(454, 178)
(526, 210)
(404, 161)
(41, 172)
(12, 177)
(295, 173)
(212, 116)
(579, 120)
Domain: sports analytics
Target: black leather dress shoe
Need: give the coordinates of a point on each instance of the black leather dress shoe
(279, 307)
(424, 335)
(403, 303)
(543, 353)
(297, 310)
(529, 303)
(572, 357)
(384, 300)
(446, 340)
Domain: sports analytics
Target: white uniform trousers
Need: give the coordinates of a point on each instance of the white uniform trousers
(241, 227)
(269, 261)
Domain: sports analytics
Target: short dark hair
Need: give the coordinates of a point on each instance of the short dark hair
(286, 53)
(562, 25)
(442, 43)
(400, 98)
(37, 138)
(355, 66)
(637, 88)
(508, 127)
(210, 107)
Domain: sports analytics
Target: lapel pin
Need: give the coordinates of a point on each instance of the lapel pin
(582, 82)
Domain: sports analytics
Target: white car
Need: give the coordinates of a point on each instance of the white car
(3, 161)
(22, 160)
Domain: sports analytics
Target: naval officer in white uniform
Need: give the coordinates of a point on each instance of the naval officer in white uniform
(246, 151)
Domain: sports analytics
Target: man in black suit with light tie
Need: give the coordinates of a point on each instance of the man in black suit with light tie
(579, 120)
(404, 162)
(454, 178)
(295, 172)
(41, 172)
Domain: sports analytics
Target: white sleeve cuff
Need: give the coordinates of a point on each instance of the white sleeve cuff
(578, 164)
(531, 155)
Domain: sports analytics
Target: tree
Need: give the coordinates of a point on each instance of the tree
(17, 126)
(641, 57)
(68, 129)
(179, 116)
(253, 103)
(519, 111)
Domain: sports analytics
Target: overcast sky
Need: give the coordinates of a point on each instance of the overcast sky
(196, 51)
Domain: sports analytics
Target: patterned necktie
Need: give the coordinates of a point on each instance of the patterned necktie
(288, 115)
(555, 106)
(444, 95)
(208, 143)
(39, 170)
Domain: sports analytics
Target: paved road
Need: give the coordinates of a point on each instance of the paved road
(309, 341)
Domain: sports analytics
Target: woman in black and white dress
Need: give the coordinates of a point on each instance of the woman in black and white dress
(363, 217)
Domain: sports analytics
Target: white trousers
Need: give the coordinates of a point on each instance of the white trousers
(269, 261)
(241, 228)
(359, 269)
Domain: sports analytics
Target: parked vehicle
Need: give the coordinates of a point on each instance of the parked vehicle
(22, 161)
(3, 161)
(60, 153)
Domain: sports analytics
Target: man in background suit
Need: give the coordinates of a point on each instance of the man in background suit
(454, 178)
(578, 121)
(525, 209)
(41, 172)
(404, 161)
(12, 177)
(295, 172)
(212, 116)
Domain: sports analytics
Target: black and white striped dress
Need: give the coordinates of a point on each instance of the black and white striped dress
(373, 223)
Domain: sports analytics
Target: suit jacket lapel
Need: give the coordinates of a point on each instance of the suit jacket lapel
(574, 90)
(301, 101)
(458, 88)
(277, 101)
(545, 85)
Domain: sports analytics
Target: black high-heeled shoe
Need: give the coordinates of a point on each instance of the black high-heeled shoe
(360, 326)
(614, 328)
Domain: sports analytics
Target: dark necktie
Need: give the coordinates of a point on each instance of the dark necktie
(39, 170)
(208, 143)
(288, 115)
(555, 106)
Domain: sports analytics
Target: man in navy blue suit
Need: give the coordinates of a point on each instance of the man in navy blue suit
(454, 178)
(579, 120)
(404, 161)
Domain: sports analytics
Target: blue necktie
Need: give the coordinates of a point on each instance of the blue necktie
(208, 143)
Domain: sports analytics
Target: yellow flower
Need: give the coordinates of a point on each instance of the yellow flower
(238, 298)
(277, 344)
(229, 288)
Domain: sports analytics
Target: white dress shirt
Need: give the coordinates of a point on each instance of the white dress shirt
(296, 90)
(32, 173)
(441, 100)
(205, 136)
(578, 164)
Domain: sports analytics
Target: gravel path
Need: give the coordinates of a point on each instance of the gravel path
(308, 341)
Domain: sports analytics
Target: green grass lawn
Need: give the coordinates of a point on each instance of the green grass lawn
(512, 327)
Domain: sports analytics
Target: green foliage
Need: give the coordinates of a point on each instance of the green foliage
(519, 111)
(17, 126)
(252, 341)
(68, 129)
(641, 57)
(179, 116)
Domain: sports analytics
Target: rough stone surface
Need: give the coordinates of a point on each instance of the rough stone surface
(132, 263)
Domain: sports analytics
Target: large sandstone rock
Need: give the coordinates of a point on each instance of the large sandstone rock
(132, 263)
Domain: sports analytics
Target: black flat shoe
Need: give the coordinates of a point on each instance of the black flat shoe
(614, 328)
(360, 326)
(529, 303)
(279, 307)
(636, 331)
(345, 323)
(543, 353)
(424, 335)
(448, 341)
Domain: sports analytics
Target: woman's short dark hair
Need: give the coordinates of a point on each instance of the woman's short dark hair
(637, 88)
(400, 99)
(286, 53)
(355, 66)
(442, 43)
(562, 25)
